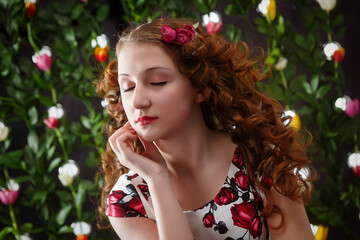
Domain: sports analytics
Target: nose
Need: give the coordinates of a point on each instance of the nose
(140, 97)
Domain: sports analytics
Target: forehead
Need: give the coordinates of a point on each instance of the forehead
(134, 58)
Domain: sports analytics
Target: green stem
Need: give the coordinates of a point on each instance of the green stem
(13, 219)
(328, 23)
(356, 147)
(31, 40)
(283, 79)
(78, 208)
(53, 95)
(61, 141)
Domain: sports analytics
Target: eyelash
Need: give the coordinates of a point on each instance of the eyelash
(153, 84)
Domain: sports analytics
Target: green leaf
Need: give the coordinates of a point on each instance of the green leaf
(300, 41)
(323, 90)
(33, 115)
(102, 12)
(80, 195)
(62, 214)
(86, 122)
(54, 163)
(66, 229)
(5, 231)
(314, 83)
(281, 27)
(33, 141)
(307, 87)
(77, 11)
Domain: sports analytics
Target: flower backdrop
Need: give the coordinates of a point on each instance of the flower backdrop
(50, 117)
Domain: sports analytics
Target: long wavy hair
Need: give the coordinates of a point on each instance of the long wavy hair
(228, 73)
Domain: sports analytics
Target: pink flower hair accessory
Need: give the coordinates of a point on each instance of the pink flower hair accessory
(181, 36)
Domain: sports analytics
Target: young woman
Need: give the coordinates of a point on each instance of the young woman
(194, 150)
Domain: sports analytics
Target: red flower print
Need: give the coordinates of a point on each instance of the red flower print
(168, 34)
(144, 190)
(184, 36)
(243, 214)
(116, 196)
(116, 210)
(237, 159)
(255, 229)
(136, 204)
(132, 176)
(208, 220)
(242, 180)
(225, 196)
(258, 201)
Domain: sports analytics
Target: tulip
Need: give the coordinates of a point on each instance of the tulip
(67, 172)
(295, 122)
(281, 64)
(327, 5)
(320, 232)
(81, 230)
(43, 58)
(25, 236)
(101, 45)
(354, 163)
(268, 7)
(338, 55)
(341, 102)
(56, 111)
(4, 132)
(10, 195)
(51, 122)
(352, 108)
(30, 7)
(212, 22)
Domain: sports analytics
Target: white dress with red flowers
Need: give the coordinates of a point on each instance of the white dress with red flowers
(234, 214)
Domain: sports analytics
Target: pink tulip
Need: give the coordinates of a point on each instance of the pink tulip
(8, 196)
(352, 108)
(51, 122)
(43, 58)
(213, 28)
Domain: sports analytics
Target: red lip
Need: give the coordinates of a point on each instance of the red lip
(146, 120)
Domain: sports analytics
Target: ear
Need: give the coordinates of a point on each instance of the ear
(202, 95)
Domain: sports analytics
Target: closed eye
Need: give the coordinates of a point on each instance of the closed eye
(158, 83)
(128, 89)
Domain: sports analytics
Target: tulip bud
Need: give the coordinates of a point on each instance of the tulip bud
(340, 103)
(81, 230)
(30, 7)
(354, 163)
(67, 172)
(10, 195)
(338, 55)
(4, 132)
(281, 64)
(101, 45)
(295, 122)
(51, 122)
(212, 22)
(25, 236)
(352, 108)
(327, 5)
(43, 58)
(268, 7)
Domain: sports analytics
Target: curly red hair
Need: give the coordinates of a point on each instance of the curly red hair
(226, 74)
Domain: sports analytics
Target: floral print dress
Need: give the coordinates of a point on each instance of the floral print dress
(234, 213)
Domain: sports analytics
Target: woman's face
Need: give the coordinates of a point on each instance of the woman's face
(158, 100)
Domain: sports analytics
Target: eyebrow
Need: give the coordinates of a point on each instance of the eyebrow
(147, 70)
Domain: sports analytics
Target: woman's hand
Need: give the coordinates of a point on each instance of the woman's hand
(148, 165)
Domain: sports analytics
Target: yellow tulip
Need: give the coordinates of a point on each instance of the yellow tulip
(271, 9)
(321, 233)
(296, 123)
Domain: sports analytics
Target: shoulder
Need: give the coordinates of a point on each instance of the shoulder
(126, 197)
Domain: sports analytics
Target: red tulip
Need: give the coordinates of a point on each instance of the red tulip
(338, 55)
(82, 237)
(30, 9)
(8, 196)
(101, 54)
(51, 122)
(352, 108)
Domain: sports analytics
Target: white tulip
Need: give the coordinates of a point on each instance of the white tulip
(56, 111)
(67, 172)
(81, 228)
(4, 132)
(327, 5)
(281, 64)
